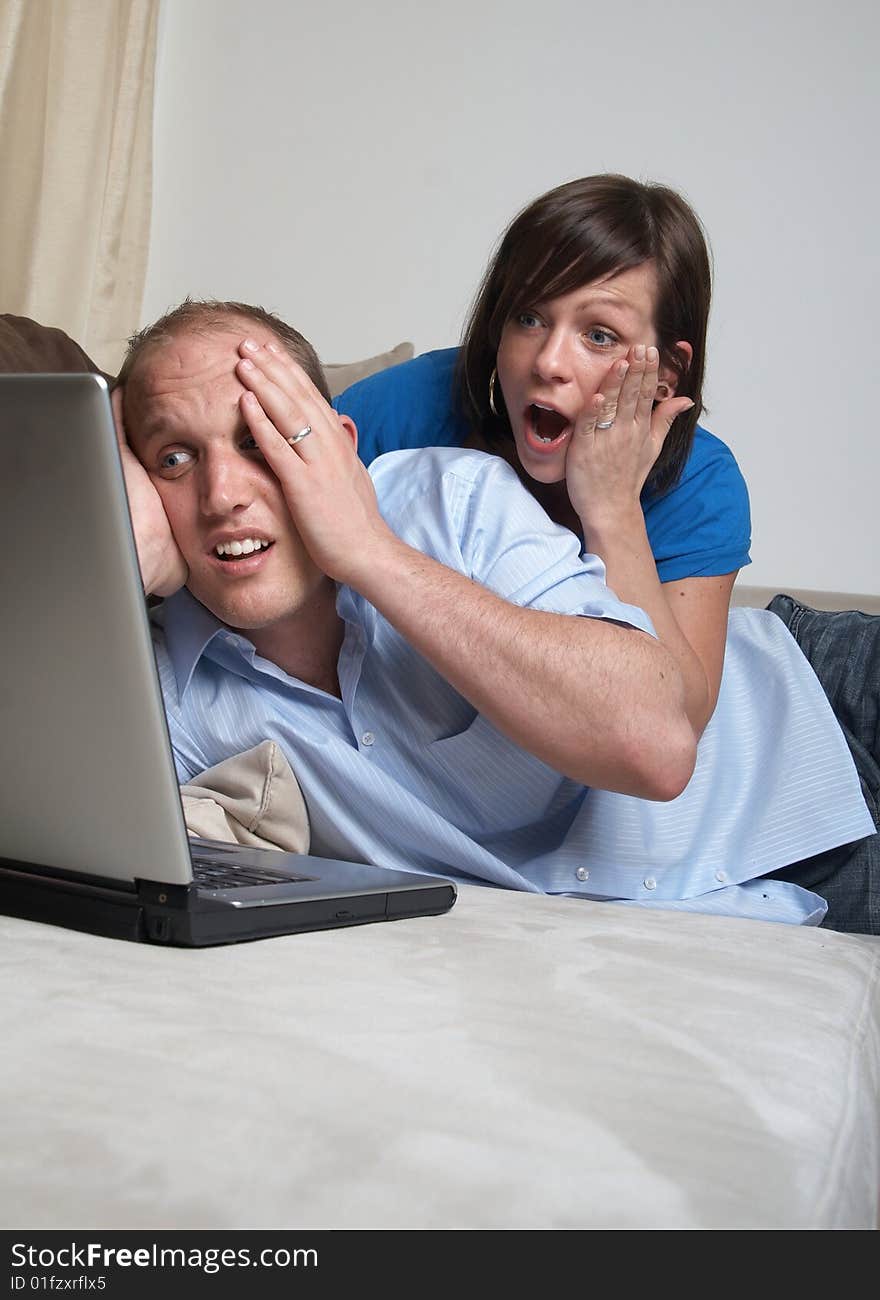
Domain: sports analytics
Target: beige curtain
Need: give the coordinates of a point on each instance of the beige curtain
(76, 109)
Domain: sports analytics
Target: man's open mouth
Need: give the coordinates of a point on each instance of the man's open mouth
(237, 549)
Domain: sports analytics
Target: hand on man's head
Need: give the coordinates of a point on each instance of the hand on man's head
(163, 569)
(313, 452)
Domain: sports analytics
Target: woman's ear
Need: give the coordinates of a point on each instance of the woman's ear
(669, 376)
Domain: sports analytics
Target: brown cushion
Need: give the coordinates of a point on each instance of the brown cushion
(27, 347)
(340, 376)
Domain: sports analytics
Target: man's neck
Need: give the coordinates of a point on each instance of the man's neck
(306, 645)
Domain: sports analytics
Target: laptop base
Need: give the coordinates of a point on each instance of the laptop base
(183, 916)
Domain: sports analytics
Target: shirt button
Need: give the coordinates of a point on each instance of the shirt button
(367, 738)
(650, 882)
(582, 873)
(721, 876)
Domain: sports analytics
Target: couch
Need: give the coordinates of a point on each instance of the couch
(521, 1062)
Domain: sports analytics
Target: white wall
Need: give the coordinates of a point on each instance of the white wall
(352, 166)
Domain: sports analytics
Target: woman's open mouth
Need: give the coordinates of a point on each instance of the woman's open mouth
(545, 429)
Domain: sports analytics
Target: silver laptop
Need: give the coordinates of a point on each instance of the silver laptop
(92, 834)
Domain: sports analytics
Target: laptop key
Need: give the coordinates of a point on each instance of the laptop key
(217, 874)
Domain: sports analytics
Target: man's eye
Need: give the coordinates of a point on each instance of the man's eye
(175, 460)
(249, 442)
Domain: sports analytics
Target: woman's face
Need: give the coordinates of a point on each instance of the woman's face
(553, 356)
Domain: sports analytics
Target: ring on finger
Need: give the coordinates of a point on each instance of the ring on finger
(298, 437)
(609, 415)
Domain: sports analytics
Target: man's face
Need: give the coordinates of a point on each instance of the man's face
(226, 509)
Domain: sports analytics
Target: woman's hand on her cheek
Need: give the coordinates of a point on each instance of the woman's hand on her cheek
(617, 440)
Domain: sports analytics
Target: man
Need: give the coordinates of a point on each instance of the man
(411, 640)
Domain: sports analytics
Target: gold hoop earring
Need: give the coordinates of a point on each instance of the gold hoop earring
(492, 406)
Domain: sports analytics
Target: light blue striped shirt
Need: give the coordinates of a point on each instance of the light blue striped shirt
(402, 772)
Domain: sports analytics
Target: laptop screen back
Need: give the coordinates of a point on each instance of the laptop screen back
(87, 781)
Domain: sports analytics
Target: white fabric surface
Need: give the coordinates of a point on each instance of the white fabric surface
(522, 1062)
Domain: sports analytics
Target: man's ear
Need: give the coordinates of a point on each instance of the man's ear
(118, 416)
(669, 377)
(350, 428)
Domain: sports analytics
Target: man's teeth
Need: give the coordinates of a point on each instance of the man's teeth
(246, 546)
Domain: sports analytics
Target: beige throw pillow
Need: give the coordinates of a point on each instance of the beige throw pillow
(252, 798)
(339, 377)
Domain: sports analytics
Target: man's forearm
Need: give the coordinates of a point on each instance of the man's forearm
(601, 703)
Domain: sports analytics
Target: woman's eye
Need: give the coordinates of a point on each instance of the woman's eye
(528, 320)
(601, 338)
(174, 460)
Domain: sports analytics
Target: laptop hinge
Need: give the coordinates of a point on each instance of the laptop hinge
(73, 881)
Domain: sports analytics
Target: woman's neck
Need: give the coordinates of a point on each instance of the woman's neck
(552, 497)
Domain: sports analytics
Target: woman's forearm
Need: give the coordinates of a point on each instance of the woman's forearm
(631, 573)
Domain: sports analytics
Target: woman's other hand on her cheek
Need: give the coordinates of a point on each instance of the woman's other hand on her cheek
(617, 440)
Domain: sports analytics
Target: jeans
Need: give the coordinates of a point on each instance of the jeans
(843, 649)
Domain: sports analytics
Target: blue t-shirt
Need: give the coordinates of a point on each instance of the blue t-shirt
(698, 529)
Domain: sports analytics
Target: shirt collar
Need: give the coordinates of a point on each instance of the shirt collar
(189, 626)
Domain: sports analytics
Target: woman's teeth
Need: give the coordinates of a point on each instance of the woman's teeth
(547, 424)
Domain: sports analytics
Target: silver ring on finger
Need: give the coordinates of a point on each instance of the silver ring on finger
(604, 424)
(298, 437)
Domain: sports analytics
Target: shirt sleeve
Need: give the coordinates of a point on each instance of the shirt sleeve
(702, 526)
(409, 405)
(469, 510)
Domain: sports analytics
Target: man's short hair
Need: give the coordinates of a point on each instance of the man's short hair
(206, 316)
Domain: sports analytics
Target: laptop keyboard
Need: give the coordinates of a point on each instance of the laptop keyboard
(216, 874)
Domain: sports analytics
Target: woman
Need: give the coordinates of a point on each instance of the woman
(582, 364)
